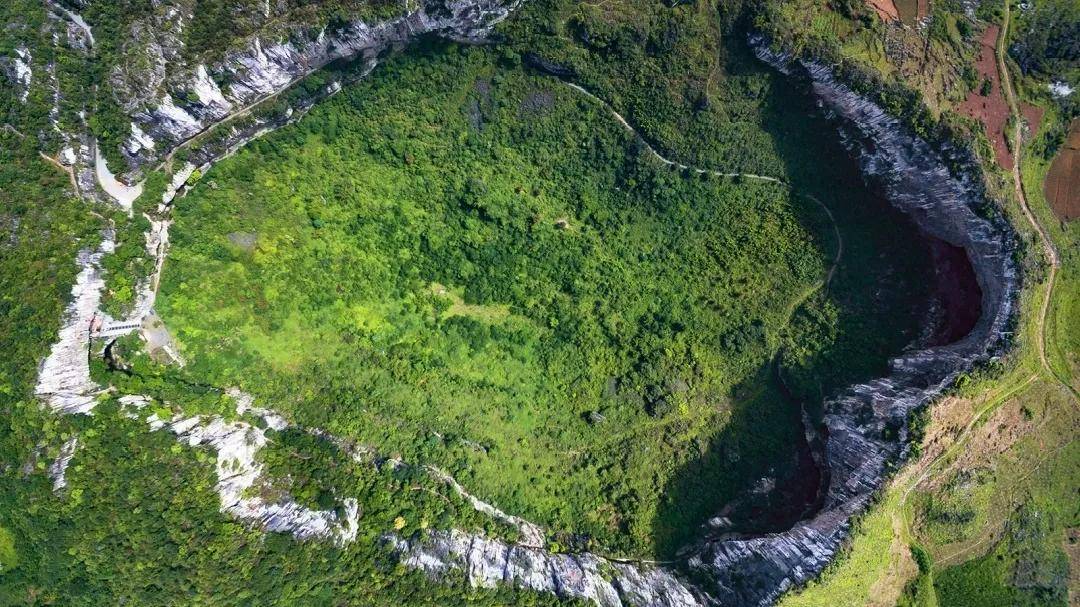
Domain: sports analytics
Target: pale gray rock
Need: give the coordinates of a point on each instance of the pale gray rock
(739, 571)
(18, 71)
(917, 181)
(236, 444)
(171, 101)
(64, 382)
(58, 469)
(123, 194)
(488, 563)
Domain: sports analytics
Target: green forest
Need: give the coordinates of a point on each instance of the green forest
(462, 263)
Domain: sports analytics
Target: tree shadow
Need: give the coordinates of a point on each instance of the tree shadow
(744, 479)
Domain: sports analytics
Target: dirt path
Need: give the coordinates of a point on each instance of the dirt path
(64, 168)
(661, 157)
(806, 293)
(992, 403)
(992, 532)
(1018, 185)
(931, 470)
(1044, 236)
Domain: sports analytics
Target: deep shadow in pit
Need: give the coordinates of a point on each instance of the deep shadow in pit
(884, 304)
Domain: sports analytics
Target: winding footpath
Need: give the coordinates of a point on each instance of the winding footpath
(824, 283)
(1018, 184)
(626, 125)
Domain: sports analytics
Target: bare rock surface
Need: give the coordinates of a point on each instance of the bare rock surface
(58, 469)
(859, 446)
(170, 101)
(488, 563)
(64, 376)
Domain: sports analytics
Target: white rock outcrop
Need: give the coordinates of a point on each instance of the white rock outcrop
(171, 101)
(858, 449)
(64, 382)
(238, 471)
(123, 194)
(489, 563)
(58, 469)
(18, 71)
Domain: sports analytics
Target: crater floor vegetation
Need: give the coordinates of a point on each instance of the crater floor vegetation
(461, 263)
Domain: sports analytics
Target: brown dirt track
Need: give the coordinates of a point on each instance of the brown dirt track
(1062, 187)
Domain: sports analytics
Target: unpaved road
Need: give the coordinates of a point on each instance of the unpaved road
(1018, 185)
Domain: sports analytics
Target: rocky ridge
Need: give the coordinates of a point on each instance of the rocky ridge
(171, 101)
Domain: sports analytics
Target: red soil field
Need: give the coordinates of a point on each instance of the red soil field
(991, 110)
(911, 11)
(1062, 187)
(885, 9)
(923, 9)
(1032, 115)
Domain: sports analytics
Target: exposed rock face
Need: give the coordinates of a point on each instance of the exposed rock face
(859, 443)
(171, 102)
(64, 377)
(488, 563)
(866, 423)
(237, 444)
(123, 194)
(58, 469)
(18, 71)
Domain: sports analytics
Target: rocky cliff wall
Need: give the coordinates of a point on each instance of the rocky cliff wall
(867, 423)
(170, 101)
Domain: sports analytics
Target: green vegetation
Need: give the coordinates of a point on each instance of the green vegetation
(318, 475)
(1062, 336)
(125, 34)
(466, 265)
(1046, 40)
(1043, 44)
(141, 525)
(1027, 568)
(219, 24)
(594, 285)
(992, 510)
(140, 522)
(9, 557)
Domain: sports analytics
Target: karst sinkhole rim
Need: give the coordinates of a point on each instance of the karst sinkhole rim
(954, 334)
